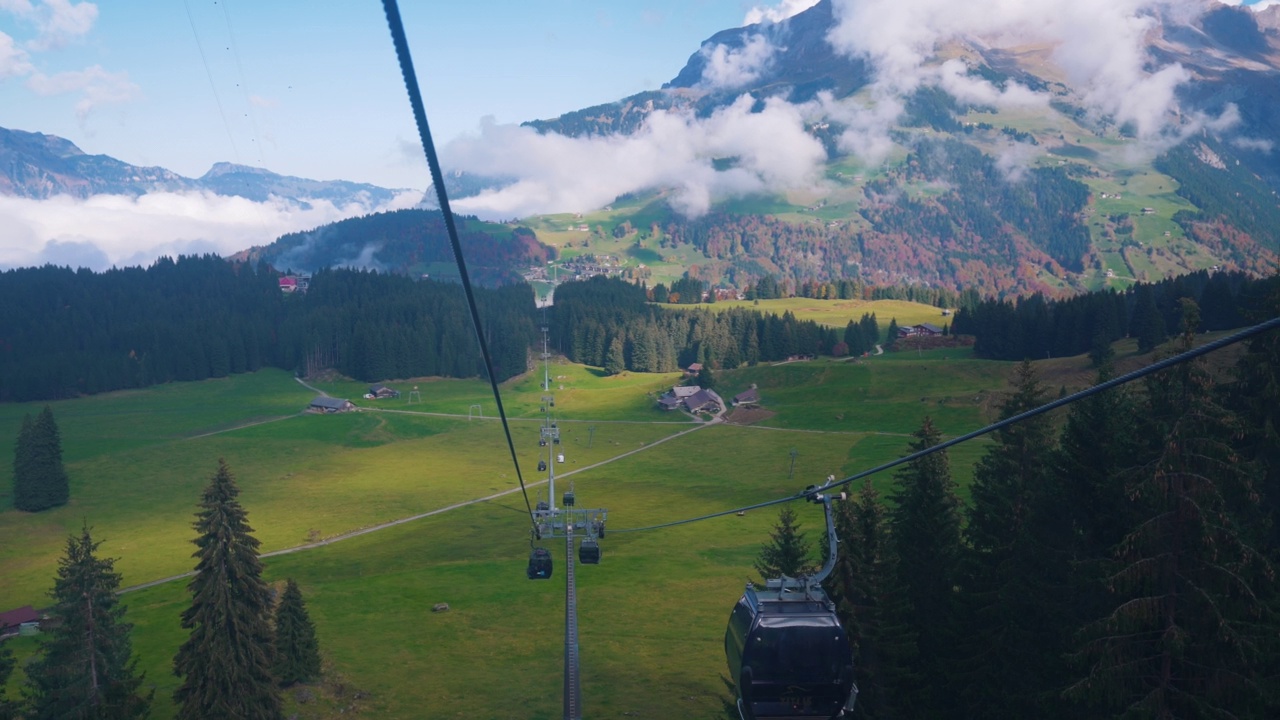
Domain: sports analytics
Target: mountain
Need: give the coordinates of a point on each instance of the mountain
(1092, 184)
(407, 242)
(38, 166)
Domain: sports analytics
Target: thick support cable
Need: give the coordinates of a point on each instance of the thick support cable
(1168, 362)
(437, 177)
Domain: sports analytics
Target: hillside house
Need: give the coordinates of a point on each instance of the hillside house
(23, 620)
(669, 402)
(747, 398)
(382, 392)
(288, 284)
(693, 369)
(928, 329)
(704, 401)
(330, 405)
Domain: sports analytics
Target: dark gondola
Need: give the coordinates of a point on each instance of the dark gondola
(788, 654)
(542, 466)
(589, 552)
(540, 565)
(568, 497)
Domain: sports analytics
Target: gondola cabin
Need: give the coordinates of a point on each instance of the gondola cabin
(542, 466)
(788, 654)
(540, 565)
(589, 552)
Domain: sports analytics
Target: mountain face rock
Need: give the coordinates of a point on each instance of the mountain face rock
(38, 166)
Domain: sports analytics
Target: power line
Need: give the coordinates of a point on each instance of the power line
(1101, 387)
(424, 133)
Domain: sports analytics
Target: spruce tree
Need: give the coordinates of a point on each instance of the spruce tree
(787, 552)
(297, 650)
(225, 664)
(1191, 629)
(26, 477)
(8, 708)
(615, 362)
(84, 667)
(1015, 578)
(925, 522)
(39, 480)
(874, 609)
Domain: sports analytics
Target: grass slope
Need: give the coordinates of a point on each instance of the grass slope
(652, 614)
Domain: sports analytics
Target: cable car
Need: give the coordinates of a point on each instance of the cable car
(788, 655)
(540, 565)
(542, 466)
(542, 442)
(589, 552)
(542, 506)
(568, 496)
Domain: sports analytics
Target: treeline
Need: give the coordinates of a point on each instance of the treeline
(602, 318)
(1115, 562)
(65, 333)
(409, 241)
(1034, 327)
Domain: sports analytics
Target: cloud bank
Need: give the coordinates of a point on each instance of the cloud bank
(733, 152)
(105, 230)
(1099, 45)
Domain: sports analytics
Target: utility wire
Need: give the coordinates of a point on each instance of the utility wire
(424, 132)
(1101, 387)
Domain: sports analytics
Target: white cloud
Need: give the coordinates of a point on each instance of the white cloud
(777, 13)
(728, 68)
(105, 230)
(61, 21)
(14, 61)
(769, 152)
(95, 85)
(1098, 43)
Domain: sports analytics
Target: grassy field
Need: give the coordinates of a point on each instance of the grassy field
(652, 614)
(838, 313)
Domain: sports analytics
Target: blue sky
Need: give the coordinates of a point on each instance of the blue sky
(312, 88)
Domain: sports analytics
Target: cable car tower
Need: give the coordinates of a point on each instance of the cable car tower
(570, 522)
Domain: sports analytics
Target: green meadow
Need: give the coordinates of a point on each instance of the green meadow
(838, 313)
(652, 613)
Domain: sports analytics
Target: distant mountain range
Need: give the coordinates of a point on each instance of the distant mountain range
(38, 166)
(1092, 203)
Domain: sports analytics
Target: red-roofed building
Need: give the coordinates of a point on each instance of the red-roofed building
(12, 621)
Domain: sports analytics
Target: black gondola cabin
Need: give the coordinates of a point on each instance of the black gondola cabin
(540, 564)
(789, 656)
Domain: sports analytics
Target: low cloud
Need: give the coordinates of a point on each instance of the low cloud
(733, 152)
(777, 13)
(95, 86)
(105, 230)
(1099, 44)
(61, 22)
(14, 61)
(729, 68)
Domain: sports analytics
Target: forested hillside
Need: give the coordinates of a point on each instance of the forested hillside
(1035, 327)
(608, 323)
(64, 332)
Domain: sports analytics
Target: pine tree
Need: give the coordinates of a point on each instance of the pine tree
(873, 607)
(787, 553)
(39, 479)
(925, 522)
(26, 477)
(615, 361)
(8, 708)
(1015, 577)
(297, 650)
(225, 664)
(1192, 629)
(84, 667)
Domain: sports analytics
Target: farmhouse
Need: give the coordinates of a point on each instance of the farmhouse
(693, 369)
(924, 329)
(747, 398)
(21, 620)
(330, 405)
(381, 391)
(704, 401)
(288, 284)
